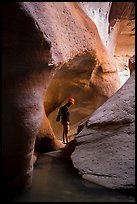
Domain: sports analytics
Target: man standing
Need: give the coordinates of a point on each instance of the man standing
(64, 114)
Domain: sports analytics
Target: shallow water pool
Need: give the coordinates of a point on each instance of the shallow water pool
(55, 180)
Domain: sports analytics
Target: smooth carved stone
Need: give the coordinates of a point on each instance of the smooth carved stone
(105, 150)
(42, 41)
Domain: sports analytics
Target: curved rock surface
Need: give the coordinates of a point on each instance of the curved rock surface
(47, 45)
(105, 150)
(118, 34)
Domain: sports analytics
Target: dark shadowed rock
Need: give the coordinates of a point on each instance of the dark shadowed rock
(131, 63)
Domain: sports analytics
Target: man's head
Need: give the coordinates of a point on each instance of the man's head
(71, 101)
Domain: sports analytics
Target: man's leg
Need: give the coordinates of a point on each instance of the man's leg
(63, 137)
(66, 131)
(63, 134)
(66, 136)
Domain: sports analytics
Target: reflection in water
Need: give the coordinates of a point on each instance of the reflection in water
(56, 181)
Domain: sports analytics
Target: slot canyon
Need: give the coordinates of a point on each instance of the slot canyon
(52, 51)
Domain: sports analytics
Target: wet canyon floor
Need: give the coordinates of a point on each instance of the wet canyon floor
(55, 180)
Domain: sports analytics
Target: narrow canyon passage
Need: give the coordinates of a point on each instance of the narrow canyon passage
(52, 51)
(55, 180)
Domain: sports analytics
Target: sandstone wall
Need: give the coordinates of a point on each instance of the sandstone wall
(44, 43)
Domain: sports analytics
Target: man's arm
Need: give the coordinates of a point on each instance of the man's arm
(58, 118)
(59, 114)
